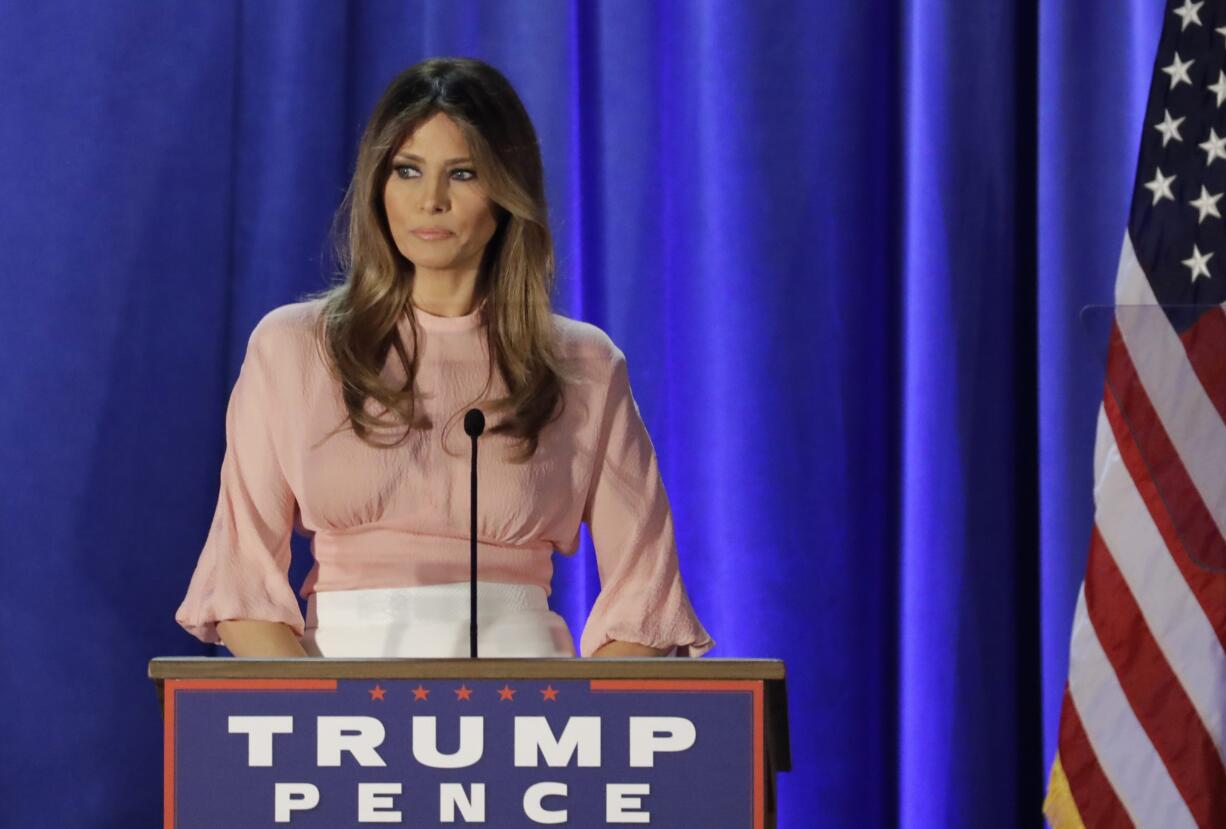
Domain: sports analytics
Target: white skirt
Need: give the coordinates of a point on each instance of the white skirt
(513, 620)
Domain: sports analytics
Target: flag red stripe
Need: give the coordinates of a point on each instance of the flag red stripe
(1205, 343)
(1096, 800)
(1159, 700)
(1172, 498)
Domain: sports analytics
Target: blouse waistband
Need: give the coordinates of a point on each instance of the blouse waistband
(356, 559)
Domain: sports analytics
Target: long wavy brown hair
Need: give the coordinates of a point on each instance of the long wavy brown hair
(358, 326)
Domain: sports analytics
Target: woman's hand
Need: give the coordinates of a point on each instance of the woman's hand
(247, 637)
(615, 648)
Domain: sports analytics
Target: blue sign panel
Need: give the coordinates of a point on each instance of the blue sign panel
(320, 754)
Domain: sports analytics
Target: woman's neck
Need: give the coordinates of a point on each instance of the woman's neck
(445, 293)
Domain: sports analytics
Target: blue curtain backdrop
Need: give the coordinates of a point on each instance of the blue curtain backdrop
(843, 246)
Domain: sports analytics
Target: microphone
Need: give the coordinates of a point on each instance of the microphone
(474, 425)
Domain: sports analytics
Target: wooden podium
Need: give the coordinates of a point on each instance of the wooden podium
(499, 742)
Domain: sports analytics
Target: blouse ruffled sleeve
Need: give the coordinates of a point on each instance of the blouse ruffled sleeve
(242, 572)
(642, 597)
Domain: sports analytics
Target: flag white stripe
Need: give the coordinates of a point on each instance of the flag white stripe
(1122, 748)
(1191, 420)
(1168, 606)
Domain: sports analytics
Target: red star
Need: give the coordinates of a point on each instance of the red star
(377, 693)
(420, 693)
(550, 693)
(463, 692)
(506, 692)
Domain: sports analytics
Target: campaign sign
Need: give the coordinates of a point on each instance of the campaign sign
(327, 753)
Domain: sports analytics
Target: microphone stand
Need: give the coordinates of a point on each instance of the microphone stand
(474, 425)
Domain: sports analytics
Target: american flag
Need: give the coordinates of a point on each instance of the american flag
(1143, 721)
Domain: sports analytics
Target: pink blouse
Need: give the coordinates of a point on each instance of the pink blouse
(397, 517)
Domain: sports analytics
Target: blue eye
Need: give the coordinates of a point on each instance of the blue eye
(464, 173)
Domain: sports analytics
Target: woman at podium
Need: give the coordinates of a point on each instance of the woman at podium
(345, 422)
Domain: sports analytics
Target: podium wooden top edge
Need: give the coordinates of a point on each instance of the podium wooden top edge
(214, 667)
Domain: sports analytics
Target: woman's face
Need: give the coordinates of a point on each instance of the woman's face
(437, 210)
